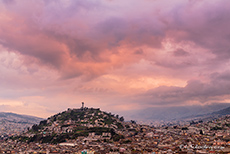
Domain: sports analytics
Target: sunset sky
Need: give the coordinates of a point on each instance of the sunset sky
(119, 55)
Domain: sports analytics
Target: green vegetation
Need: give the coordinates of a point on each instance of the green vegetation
(127, 141)
(228, 125)
(216, 128)
(70, 124)
(58, 138)
(184, 128)
(117, 137)
(119, 125)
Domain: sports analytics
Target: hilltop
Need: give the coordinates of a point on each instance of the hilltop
(90, 123)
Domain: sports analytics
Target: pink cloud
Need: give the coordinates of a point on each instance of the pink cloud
(88, 47)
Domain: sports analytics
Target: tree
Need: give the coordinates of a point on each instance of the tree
(133, 121)
(44, 122)
(184, 128)
(112, 131)
(122, 119)
(201, 132)
(35, 127)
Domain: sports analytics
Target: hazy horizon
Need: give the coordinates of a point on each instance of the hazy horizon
(120, 56)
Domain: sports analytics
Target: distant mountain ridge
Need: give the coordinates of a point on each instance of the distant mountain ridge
(225, 111)
(25, 118)
(180, 113)
(213, 115)
(12, 123)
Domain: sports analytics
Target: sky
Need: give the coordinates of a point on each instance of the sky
(113, 54)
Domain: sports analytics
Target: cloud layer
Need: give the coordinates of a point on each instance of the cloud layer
(113, 54)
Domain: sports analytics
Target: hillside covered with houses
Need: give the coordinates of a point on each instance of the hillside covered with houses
(73, 123)
(96, 131)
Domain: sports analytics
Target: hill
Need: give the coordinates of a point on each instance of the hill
(18, 122)
(213, 115)
(90, 123)
(225, 111)
(202, 137)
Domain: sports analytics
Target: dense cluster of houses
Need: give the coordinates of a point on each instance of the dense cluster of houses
(197, 137)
